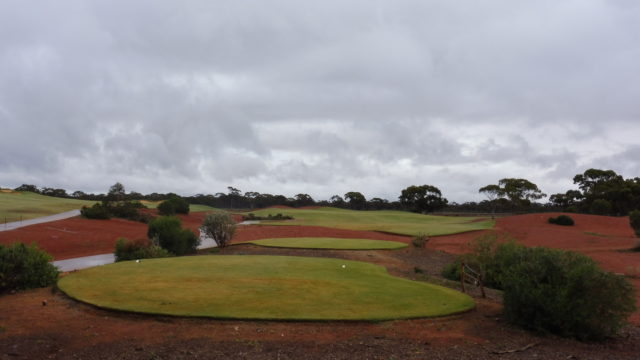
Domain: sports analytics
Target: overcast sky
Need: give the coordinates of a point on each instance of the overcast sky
(317, 97)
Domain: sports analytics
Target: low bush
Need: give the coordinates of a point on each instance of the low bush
(548, 290)
(25, 267)
(565, 293)
(167, 232)
(172, 206)
(420, 240)
(97, 211)
(253, 217)
(634, 221)
(452, 271)
(138, 249)
(220, 227)
(563, 220)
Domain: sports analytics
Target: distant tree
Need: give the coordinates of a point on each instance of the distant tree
(377, 203)
(251, 197)
(600, 207)
(492, 192)
(356, 200)
(623, 195)
(27, 187)
(78, 194)
(303, 200)
(424, 198)
(519, 191)
(116, 192)
(337, 201)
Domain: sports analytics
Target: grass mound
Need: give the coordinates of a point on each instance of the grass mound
(29, 205)
(261, 287)
(397, 222)
(330, 243)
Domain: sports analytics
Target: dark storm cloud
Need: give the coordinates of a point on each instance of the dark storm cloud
(316, 97)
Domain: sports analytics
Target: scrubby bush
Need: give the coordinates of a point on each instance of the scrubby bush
(167, 232)
(452, 271)
(138, 249)
(420, 240)
(277, 217)
(166, 208)
(97, 211)
(547, 290)
(220, 227)
(174, 205)
(600, 207)
(25, 267)
(121, 209)
(565, 293)
(563, 220)
(634, 221)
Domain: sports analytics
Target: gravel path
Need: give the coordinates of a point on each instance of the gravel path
(40, 220)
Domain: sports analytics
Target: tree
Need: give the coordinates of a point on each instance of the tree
(337, 201)
(304, 200)
(519, 191)
(634, 221)
(356, 200)
(424, 198)
(492, 192)
(377, 203)
(116, 192)
(220, 227)
(27, 187)
(622, 195)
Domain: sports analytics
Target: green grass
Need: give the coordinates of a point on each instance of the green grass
(29, 205)
(192, 207)
(261, 287)
(397, 222)
(330, 243)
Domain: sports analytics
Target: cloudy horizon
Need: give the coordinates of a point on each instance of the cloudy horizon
(322, 98)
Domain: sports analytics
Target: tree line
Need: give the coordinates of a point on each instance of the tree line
(601, 192)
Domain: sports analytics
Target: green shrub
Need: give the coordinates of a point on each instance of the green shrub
(565, 293)
(25, 267)
(167, 232)
(563, 220)
(138, 249)
(166, 208)
(600, 207)
(174, 205)
(452, 271)
(97, 211)
(219, 226)
(277, 217)
(420, 240)
(634, 221)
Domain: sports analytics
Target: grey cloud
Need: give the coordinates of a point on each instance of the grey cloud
(316, 97)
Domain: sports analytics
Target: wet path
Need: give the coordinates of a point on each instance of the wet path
(40, 220)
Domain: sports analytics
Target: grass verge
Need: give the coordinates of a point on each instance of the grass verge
(28, 205)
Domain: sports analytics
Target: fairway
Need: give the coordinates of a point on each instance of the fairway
(29, 205)
(396, 222)
(330, 243)
(261, 287)
(192, 207)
